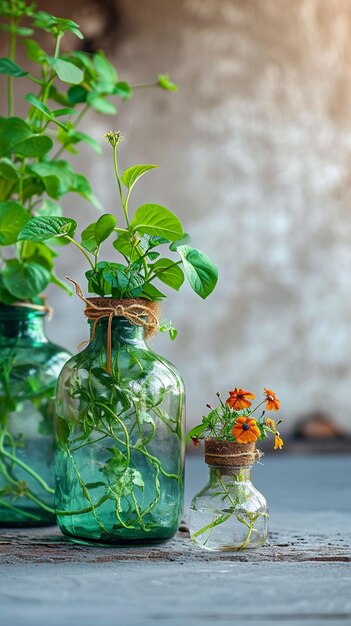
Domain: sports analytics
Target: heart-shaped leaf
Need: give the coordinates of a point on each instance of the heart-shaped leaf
(12, 219)
(169, 273)
(200, 271)
(104, 227)
(25, 280)
(132, 174)
(43, 227)
(154, 219)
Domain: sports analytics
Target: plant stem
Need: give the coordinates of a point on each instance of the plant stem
(124, 207)
(12, 54)
(85, 490)
(22, 512)
(83, 251)
(26, 468)
(144, 85)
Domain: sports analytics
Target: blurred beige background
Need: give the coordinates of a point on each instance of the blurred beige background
(255, 153)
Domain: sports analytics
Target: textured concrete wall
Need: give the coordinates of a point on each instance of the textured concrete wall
(255, 154)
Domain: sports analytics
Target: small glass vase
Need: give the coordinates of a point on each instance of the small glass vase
(229, 513)
(29, 367)
(120, 456)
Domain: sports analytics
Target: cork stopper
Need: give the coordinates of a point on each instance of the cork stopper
(222, 453)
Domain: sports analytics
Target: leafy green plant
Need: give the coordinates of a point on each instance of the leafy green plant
(153, 228)
(34, 178)
(33, 175)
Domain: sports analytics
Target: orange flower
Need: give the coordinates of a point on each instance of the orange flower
(270, 423)
(272, 402)
(278, 442)
(195, 441)
(245, 430)
(238, 399)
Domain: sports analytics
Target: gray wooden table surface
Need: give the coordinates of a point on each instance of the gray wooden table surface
(302, 576)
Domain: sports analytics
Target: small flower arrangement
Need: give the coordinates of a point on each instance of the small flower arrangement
(233, 420)
(229, 513)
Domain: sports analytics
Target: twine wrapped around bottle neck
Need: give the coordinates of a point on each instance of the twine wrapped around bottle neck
(45, 308)
(222, 453)
(137, 311)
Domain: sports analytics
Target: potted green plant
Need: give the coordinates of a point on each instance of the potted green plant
(34, 177)
(120, 406)
(229, 513)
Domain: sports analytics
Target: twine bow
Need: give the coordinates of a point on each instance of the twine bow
(135, 313)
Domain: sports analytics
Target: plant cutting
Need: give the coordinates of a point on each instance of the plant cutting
(34, 178)
(120, 407)
(229, 513)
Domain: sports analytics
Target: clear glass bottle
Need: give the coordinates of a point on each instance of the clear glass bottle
(229, 513)
(120, 456)
(29, 367)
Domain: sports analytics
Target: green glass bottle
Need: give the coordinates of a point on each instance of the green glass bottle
(120, 453)
(29, 367)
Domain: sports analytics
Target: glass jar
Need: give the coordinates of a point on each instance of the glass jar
(120, 455)
(29, 367)
(229, 513)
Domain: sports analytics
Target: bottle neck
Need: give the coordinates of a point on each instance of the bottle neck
(21, 326)
(230, 474)
(122, 332)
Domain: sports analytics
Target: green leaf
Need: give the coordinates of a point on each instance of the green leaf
(195, 432)
(34, 147)
(77, 94)
(107, 75)
(73, 137)
(5, 296)
(169, 273)
(104, 227)
(167, 327)
(88, 238)
(8, 170)
(62, 430)
(100, 104)
(150, 292)
(181, 242)
(200, 271)
(12, 219)
(154, 219)
(38, 104)
(57, 176)
(61, 112)
(124, 246)
(10, 68)
(67, 72)
(39, 253)
(15, 130)
(42, 228)
(82, 186)
(56, 25)
(165, 83)
(124, 283)
(123, 90)
(25, 280)
(43, 108)
(132, 174)
(34, 51)
(17, 137)
(145, 418)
